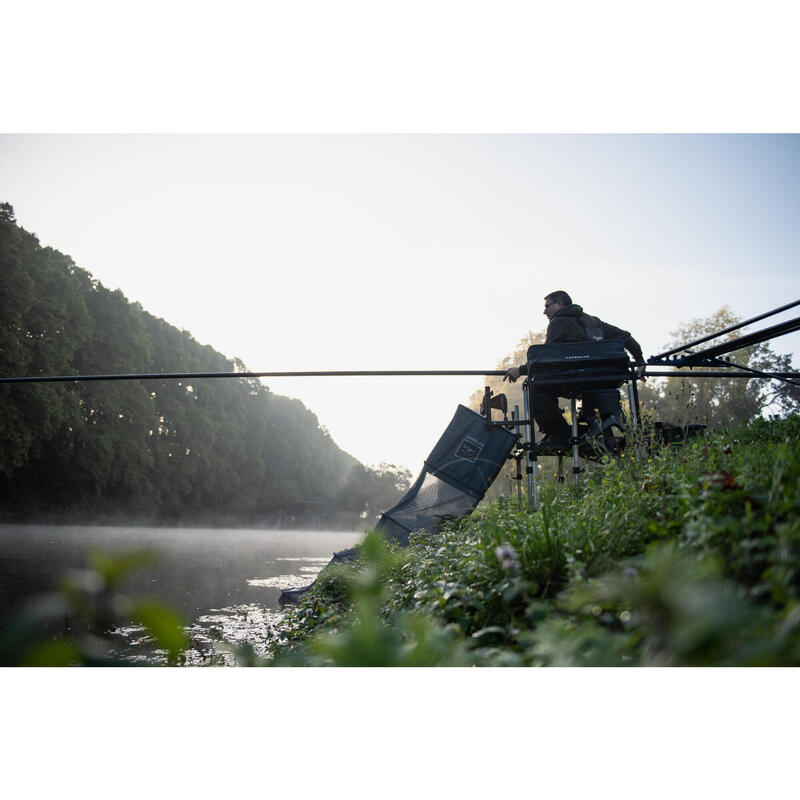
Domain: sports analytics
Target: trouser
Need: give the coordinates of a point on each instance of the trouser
(547, 414)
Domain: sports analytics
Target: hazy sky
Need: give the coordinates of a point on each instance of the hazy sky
(317, 252)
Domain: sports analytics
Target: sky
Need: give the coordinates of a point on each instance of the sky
(374, 252)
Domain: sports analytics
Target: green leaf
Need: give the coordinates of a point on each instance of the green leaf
(52, 654)
(164, 625)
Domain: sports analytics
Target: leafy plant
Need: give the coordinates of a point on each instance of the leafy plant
(669, 555)
(74, 624)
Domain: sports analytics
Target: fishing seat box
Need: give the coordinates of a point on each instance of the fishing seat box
(570, 369)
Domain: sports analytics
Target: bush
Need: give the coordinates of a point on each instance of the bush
(686, 555)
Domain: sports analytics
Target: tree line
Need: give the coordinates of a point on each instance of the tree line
(158, 450)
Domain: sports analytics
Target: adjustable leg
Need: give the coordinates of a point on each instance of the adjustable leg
(575, 468)
(518, 459)
(530, 440)
(634, 406)
(560, 477)
(635, 384)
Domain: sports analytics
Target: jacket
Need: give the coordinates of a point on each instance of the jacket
(571, 324)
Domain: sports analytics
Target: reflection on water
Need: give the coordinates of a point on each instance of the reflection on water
(224, 582)
(290, 580)
(209, 636)
(278, 582)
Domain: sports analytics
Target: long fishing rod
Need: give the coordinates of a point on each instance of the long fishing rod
(727, 330)
(773, 332)
(198, 375)
(675, 373)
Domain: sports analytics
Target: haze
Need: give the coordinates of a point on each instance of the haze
(322, 252)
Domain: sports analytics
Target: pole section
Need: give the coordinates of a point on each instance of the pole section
(632, 406)
(530, 446)
(515, 416)
(575, 468)
(680, 371)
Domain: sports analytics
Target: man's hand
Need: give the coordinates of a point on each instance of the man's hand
(512, 374)
(640, 373)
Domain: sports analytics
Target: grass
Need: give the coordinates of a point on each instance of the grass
(685, 555)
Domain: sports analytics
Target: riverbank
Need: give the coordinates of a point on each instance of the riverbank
(680, 556)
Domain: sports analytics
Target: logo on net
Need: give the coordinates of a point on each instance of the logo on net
(469, 449)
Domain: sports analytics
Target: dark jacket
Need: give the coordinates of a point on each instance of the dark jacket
(571, 324)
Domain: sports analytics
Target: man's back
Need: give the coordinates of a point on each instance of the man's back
(572, 324)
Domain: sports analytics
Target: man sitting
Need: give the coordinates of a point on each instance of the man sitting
(568, 323)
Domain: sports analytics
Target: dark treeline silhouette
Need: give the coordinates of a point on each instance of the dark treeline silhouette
(210, 450)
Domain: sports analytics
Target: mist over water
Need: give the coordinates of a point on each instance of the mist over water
(225, 583)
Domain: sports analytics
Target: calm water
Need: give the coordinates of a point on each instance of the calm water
(224, 582)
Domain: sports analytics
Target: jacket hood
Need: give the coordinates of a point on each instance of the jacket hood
(572, 310)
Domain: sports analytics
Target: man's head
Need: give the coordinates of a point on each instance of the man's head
(554, 302)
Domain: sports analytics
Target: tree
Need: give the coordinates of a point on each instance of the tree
(160, 449)
(512, 391)
(720, 401)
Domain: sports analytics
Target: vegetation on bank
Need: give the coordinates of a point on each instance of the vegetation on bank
(671, 556)
(164, 451)
(686, 555)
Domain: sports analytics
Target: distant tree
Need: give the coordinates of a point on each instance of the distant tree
(163, 449)
(372, 490)
(720, 401)
(512, 391)
(388, 483)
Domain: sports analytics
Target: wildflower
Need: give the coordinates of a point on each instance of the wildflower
(507, 556)
(721, 480)
(629, 573)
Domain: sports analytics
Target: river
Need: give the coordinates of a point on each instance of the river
(225, 583)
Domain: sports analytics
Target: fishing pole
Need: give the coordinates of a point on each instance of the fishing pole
(198, 375)
(727, 330)
(675, 373)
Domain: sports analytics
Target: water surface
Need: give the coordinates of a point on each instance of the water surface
(225, 583)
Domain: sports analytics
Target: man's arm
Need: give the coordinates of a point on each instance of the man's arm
(631, 345)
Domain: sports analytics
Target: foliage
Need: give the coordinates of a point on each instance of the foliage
(720, 401)
(163, 450)
(685, 555)
(364, 639)
(512, 391)
(73, 625)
